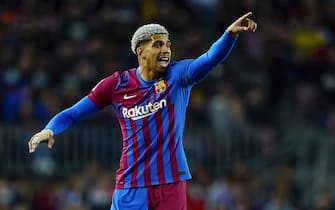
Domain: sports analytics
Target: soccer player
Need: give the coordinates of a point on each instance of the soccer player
(150, 101)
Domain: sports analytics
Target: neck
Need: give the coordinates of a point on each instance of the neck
(148, 74)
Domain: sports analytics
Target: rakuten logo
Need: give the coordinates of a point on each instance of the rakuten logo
(139, 112)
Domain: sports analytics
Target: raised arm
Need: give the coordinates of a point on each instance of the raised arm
(61, 121)
(217, 53)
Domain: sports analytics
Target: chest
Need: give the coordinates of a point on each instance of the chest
(135, 100)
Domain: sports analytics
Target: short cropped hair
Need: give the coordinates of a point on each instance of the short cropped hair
(145, 32)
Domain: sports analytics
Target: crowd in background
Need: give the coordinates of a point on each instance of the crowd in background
(278, 84)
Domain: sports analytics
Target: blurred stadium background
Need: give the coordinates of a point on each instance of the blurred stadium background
(260, 131)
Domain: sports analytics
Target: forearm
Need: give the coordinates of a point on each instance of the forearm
(216, 54)
(70, 116)
(220, 49)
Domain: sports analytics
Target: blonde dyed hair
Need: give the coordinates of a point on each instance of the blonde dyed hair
(144, 33)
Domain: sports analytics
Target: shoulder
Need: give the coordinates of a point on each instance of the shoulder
(114, 80)
(179, 66)
(121, 77)
(180, 63)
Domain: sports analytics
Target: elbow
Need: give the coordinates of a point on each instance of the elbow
(70, 115)
(214, 60)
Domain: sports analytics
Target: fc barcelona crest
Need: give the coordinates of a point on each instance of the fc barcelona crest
(160, 86)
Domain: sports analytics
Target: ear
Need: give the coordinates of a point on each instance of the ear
(139, 51)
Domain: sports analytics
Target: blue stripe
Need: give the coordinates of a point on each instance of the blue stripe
(166, 152)
(183, 98)
(153, 145)
(130, 156)
(141, 146)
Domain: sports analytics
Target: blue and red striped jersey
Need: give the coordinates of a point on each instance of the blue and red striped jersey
(152, 116)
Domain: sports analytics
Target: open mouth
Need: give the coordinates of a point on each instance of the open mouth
(164, 61)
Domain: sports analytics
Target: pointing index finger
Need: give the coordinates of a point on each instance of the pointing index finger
(245, 16)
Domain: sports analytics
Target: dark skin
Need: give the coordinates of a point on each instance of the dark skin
(154, 57)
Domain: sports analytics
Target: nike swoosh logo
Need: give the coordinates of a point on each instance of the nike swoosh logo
(128, 97)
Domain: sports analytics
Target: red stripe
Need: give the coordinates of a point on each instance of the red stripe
(136, 155)
(147, 152)
(120, 176)
(160, 142)
(173, 158)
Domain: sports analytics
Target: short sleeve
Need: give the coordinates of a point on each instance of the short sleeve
(102, 93)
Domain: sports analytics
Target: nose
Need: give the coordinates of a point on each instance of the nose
(165, 49)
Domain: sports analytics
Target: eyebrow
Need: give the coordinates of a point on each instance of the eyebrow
(155, 41)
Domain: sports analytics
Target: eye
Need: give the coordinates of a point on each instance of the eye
(158, 44)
